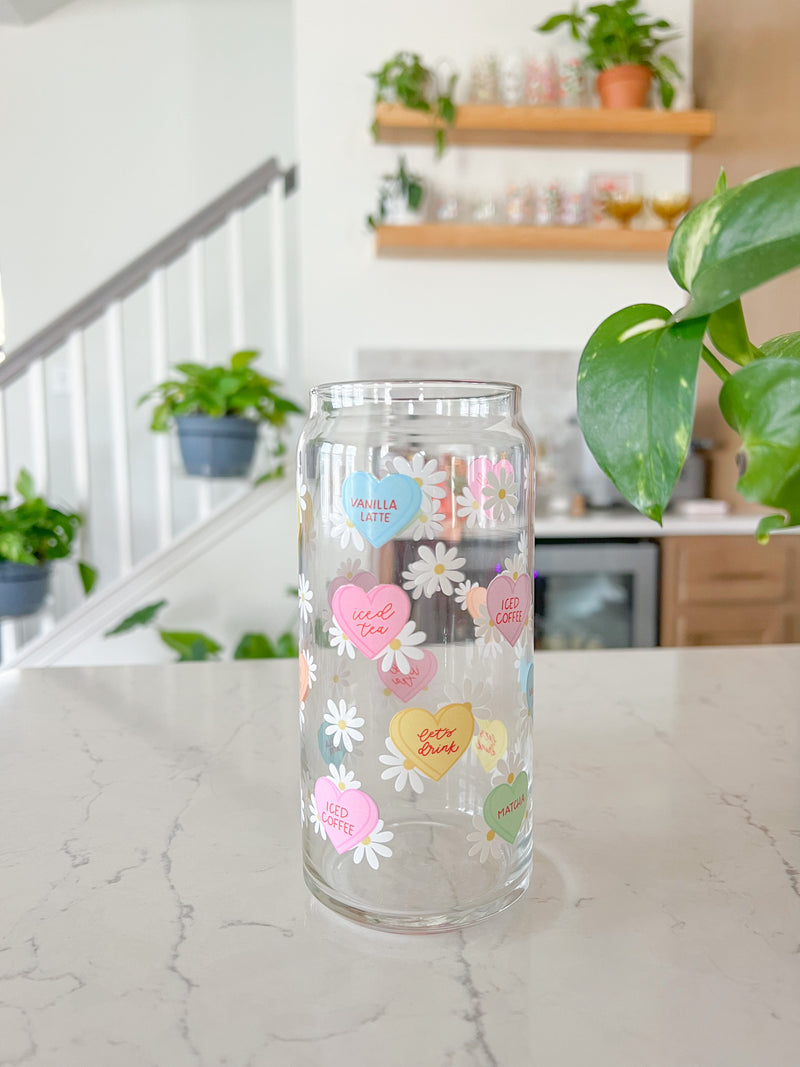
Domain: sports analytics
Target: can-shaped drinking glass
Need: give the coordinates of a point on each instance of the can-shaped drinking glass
(415, 506)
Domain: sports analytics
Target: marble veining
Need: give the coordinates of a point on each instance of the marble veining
(153, 909)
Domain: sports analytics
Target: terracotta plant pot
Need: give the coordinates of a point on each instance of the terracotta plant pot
(625, 86)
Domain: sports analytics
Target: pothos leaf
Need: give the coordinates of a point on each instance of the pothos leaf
(762, 403)
(636, 395)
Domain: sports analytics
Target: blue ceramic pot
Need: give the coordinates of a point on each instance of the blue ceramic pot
(23, 588)
(217, 447)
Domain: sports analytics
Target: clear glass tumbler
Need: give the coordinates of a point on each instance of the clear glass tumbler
(415, 504)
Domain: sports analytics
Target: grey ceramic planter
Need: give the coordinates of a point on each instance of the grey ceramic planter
(217, 448)
(23, 588)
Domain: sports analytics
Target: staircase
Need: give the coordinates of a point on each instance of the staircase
(222, 281)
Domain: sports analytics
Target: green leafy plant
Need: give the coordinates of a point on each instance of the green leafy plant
(638, 373)
(621, 33)
(408, 186)
(234, 390)
(404, 79)
(34, 531)
(193, 645)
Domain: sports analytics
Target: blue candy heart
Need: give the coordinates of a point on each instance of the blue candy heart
(380, 508)
(330, 753)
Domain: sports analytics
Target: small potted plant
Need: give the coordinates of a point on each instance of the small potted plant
(400, 199)
(32, 534)
(217, 411)
(621, 43)
(404, 79)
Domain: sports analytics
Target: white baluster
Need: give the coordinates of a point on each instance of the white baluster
(236, 280)
(197, 304)
(37, 399)
(9, 642)
(119, 434)
(79, 423)
(158, 348)
(280, 310)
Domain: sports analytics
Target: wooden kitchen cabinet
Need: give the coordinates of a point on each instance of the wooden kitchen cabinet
(730, 591)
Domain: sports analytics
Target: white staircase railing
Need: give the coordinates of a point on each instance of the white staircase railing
(68, 396)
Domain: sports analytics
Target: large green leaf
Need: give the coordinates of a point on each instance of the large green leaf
(762, 403)
(254, 646)
(636, 394)
(190, 645)
(786, 344)
(141, 617)
(736, 240)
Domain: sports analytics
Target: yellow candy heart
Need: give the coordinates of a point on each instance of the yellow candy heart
(433, 743)
(490, 742)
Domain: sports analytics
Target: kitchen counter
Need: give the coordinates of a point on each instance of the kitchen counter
(153, 909)
(625, 522)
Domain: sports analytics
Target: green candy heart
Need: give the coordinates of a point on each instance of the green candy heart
(504, 808)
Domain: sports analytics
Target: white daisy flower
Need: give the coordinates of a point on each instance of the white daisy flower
(402, 649)
(522, 544)
(462, 592)
(515, 566)
(342, 778)
(490, 649)
(344, 530)
(349, 569)
(314, 818)
(340, 641)
(500, 495)
(304, 596)
(341, 679)
(485, 630)
(484, 841)
(401, 769)
(468, 692)
(374, 846)
(302, 715)
(343, 723)
(469, 508)
(507, 769)
(312, 667)
(302, 498)
(424, 474)
(427, 525)
(434, 570)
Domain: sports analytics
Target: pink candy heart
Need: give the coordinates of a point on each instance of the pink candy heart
(347, 816)
(406, 686)
(508, 603)
(363, 579)
(478, 471)
(371, 618)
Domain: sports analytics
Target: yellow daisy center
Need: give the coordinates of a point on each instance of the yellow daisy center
(336, 679)
(342, 786)
(418, 481)
(408, 765)
(515, 575)
(387, 692)
(439, 568)
(394, 645)
(510, 779)
(475, 505)
(423, 518)
(501, 494)
(342, 724)
(366, 841)
(349, 523)
(490, 836)
(491, 622)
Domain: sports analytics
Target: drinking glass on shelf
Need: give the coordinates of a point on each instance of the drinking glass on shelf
(625, 204)
(669, 206)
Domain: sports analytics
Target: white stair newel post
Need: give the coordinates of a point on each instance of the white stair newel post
(119, 434)
(236, 280)
(197, 306)
(158, 349)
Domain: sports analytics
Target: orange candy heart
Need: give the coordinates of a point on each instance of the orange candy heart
(433, 743)
(474, 599)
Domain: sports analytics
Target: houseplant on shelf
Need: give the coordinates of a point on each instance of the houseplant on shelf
(404, 79)
(32, 535)
(638, 372)
(621, 43)
(400, 198)
(217, 411)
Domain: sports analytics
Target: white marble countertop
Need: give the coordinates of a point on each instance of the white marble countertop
(154, 915)
(625, 522)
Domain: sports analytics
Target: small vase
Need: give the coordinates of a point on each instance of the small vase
(624, 87)
(216, 447)
(23, 588)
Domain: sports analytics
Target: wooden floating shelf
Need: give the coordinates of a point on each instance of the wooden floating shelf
(455, 239)
(549, 127)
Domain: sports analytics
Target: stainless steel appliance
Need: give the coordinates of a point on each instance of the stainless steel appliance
(596, 594)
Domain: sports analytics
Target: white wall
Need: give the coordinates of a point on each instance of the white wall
(350, 299)
(121, 118)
